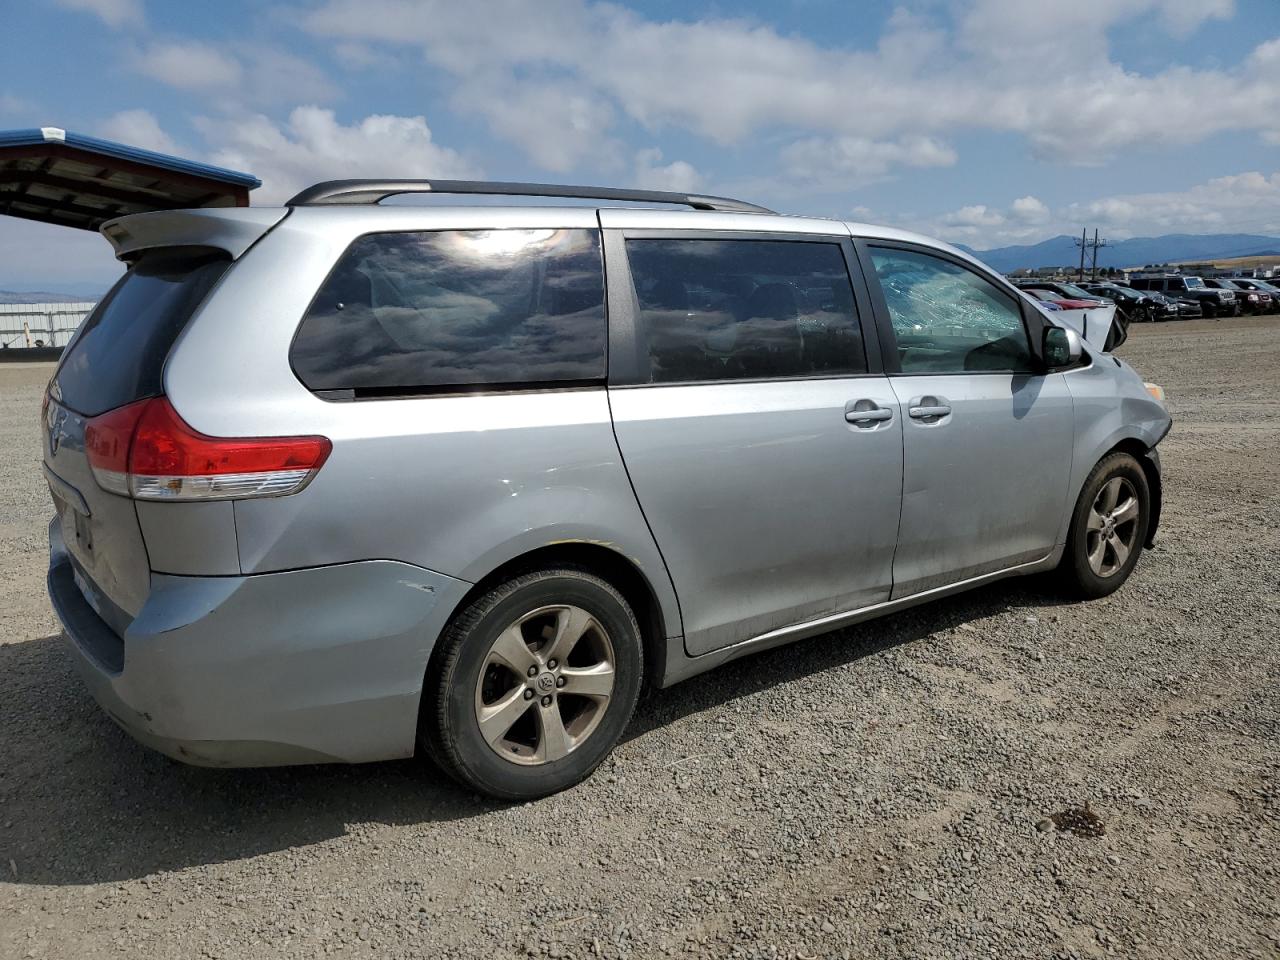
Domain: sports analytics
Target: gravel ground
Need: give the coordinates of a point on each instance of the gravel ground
(883, 791)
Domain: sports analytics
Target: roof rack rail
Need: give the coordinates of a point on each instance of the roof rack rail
(375, 191)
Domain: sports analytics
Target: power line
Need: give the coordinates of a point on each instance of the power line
(1091, 246)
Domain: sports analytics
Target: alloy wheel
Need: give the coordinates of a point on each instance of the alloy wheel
(545, 684)
(1112, 531)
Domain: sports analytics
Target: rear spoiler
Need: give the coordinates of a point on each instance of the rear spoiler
(233, 229)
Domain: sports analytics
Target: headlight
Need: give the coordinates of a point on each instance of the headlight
(1155, 390)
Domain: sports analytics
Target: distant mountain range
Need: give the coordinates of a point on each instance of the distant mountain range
(1136, 252)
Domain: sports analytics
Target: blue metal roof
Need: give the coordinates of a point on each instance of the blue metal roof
(57, 176)
(121, 151)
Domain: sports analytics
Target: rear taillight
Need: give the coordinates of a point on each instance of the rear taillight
(145, 450)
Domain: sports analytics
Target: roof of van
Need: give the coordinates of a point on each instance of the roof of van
(707, 212)
(619, 209)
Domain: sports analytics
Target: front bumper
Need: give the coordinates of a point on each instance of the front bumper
(304, 666)
(1155, 482)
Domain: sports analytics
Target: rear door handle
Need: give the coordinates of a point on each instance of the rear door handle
(866, 412)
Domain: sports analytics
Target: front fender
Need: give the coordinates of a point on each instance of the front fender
(1155, 480)
(1112, 408)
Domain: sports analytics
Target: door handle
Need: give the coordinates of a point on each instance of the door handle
(928, 408)
(866, 412)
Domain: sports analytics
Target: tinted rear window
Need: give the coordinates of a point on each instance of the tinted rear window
(412, 312)
(118, 355)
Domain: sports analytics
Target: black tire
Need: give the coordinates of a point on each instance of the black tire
(1209, 312)
(449, 727)
(1075, 571)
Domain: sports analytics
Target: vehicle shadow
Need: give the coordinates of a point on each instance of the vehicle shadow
(81, 802)
(760, 671)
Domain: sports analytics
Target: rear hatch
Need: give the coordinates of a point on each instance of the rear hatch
(116, 359)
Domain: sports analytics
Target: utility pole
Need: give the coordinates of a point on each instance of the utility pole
(1091, 246)
(1096, 244)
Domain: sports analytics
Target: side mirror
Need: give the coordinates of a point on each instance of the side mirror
(1061, 347)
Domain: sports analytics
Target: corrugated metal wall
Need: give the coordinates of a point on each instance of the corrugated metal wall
(40, 324)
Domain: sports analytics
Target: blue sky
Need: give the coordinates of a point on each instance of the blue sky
(987, 122)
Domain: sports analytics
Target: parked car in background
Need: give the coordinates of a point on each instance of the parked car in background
(1263, 288)
(1251, 301)
(340, 481)
(1215, 303)
(1062, 303)
(1060, 289)
(1135, 305)
(1186, 308)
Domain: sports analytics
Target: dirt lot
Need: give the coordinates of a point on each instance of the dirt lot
(877, 792)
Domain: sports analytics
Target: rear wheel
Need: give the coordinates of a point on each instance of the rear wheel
(533, 684)
(1108, 528)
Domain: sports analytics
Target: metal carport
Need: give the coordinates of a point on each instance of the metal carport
(57, 176)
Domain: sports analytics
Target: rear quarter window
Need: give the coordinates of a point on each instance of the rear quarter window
(414, 312)
(118, 354)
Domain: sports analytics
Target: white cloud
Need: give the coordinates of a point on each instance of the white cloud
(1056, 33)
(114, 13)
(844, 162)
(1042, 70)
(357, 56)
(273, 76)
(1026, 220)
(1245, 203)
(973, 217)
(556, 124)
(189, 65)
(312, 145)
(245, 73)
(1029, 210)
(138, 128)
(11, 104)
(652, 174)
(1241, 203)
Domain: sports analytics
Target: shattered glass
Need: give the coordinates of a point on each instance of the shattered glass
(947, 319)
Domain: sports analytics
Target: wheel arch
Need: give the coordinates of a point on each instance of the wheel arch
(1149, 460)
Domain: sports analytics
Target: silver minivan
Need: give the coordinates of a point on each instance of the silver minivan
(345, 479)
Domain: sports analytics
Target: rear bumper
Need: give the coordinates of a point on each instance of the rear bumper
(305, 666)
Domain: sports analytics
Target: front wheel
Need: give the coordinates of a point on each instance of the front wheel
(1108, 528)
(533, 684)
